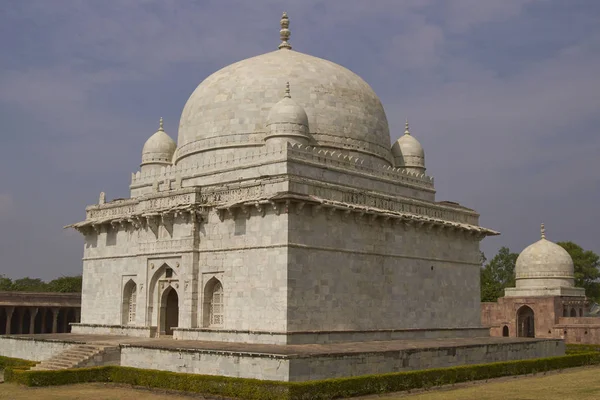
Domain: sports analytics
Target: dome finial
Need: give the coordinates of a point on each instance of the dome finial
(406, 130)
(287, 90)
(160, 125)
(543, 230)
(284, 33)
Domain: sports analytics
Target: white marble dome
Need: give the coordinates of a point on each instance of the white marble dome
(230, 107)
(544, 264)
(159, 148)
(408, 152)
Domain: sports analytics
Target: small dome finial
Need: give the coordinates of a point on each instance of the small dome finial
(160, 125)
(284, 33)
(543, 230)
(406, 130)
(287, 90)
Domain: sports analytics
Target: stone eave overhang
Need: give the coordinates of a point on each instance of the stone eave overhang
(291, 202)
(281, 202)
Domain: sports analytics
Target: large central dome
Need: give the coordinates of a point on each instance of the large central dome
(229, 109)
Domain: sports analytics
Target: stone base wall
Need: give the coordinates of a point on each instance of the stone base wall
(304, 368)
(31, 349)
(338, 366)
(122, 330)
(325, 336)
(264, 367)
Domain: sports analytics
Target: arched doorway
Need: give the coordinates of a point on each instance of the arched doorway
(525, 322)
(505, 331)
(170, 311)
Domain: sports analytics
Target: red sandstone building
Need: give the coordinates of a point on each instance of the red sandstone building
(545, 302)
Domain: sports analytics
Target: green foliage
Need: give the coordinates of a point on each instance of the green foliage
(5, 283)
(312, 390)
(498, 274)
(64, 284)
(586, 269)
(6, 362)
(29, 285)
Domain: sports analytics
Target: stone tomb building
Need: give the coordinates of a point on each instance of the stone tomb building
(284, 217)
(545, 302)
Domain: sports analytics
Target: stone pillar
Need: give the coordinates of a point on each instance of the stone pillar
(55, 319)
(9, 314)
(32, 313)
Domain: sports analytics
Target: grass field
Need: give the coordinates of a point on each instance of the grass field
(576, 384)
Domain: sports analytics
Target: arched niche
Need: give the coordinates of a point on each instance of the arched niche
(505, 331)
(129, 303)
(213, 311)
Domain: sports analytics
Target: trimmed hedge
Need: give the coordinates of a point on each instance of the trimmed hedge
(6, 362)
(253, 389)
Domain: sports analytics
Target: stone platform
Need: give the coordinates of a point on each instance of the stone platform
(288, 362)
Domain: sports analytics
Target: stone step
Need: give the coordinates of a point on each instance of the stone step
(73, 357)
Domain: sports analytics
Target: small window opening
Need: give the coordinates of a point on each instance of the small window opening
(169, 273)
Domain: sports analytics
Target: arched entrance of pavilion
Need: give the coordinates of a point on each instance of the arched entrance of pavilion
(169, 311)
(525, 322)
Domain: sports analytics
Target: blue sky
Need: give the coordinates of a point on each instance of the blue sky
(504, 95)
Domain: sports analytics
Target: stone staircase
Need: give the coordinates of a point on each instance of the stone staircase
(81, 356)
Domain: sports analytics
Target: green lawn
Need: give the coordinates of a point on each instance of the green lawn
(576, 384)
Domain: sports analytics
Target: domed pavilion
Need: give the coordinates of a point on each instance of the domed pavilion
(545, 302)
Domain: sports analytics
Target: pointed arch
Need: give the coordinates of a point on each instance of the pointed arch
(169, 311)
(129, 303)
(213, 304)
(505, 331)
(154, 293)
(525, 322)
(573, 313)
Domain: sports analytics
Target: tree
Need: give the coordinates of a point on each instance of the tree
(498, 274)
(29, 285)
(586, 269)
(65, 284)
(5, 283)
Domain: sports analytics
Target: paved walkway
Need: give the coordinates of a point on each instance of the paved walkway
(297, 350)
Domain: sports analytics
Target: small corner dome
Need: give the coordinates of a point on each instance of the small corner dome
(545, 260)
(407, 151)
(159, 147)
(287, 111)
(407, 145)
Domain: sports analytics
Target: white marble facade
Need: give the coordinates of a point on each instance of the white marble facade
(281, 216)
